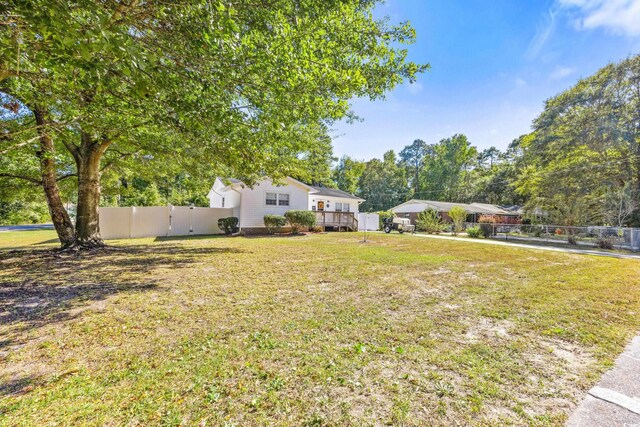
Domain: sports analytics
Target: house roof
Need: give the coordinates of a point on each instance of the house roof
(415, 205)
(320, 191)
(333, 192)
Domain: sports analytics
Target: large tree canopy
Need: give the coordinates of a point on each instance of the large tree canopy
(87, 85)
(584, 154)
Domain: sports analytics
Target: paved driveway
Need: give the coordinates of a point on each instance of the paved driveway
(27, 227)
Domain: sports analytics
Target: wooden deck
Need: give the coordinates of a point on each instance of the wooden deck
(343, 221)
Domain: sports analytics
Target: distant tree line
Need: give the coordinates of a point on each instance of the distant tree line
(579, 165)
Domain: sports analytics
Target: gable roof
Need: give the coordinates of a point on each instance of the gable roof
(333, 192)
(415, 206)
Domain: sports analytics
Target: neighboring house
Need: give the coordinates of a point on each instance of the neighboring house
(334, 208)
(413, 207)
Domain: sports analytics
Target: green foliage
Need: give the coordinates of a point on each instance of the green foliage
(476, 232)
(448, 170)
(581, 161)
(486, 224)
(12, 213)
(274, 223)
(414, 157)
(383, 184)
(247, 87)
(458, 216)
(228, 225)
(347, 174)
(298, 219)
(429, 221)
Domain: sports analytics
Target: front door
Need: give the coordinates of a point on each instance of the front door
(320, 205)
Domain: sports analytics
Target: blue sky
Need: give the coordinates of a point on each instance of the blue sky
(493, 63)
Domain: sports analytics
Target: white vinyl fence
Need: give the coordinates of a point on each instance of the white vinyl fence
(368, 221)
(155, 221)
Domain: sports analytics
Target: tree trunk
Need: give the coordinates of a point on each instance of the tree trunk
(59, 216)
(87, 217)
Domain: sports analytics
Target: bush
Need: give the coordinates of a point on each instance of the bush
(274, 223)
(458, 215)
(475, 232)
(486, 224)
(605, 243)
(316, 229)
(430, 222)
(300, 219)
(228, 225)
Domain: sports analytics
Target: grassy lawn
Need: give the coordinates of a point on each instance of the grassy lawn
(312, 330)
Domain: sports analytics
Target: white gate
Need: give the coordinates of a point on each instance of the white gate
(368, 221)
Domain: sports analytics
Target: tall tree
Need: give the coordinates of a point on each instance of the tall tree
(383, 184)
(347, 174)
(414, 156)
(586, 147)
(88, 83)
(447, 172)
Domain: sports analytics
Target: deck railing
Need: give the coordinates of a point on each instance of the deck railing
(346, 220)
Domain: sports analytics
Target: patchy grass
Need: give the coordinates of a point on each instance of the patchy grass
(35, 239)
(312, 330)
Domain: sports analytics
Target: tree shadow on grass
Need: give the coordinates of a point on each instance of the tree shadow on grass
(41, 287)
(44, 287)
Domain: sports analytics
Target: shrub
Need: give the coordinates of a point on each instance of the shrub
(486, 224)
(228, 225)
(300, 219)
(429, 221)
(274, 223)
(605, 242)
(475, 232)
(458, 215)
(316, 229)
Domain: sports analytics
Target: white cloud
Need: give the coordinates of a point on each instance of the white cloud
(520, 82)
(544, 30)
(560, 73)
(415, 88)
(616, 16)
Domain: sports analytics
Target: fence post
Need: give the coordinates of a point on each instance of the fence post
(132, 212)
(546, 232)
(169, 209)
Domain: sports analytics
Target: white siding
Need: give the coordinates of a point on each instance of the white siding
(330, 203)
(220, 191)
(254, 207)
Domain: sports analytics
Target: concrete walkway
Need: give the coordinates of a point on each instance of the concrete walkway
(536, 247)
(615, 401)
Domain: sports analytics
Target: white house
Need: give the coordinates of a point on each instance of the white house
(334, 208)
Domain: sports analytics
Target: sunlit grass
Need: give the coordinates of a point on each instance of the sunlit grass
(309, 330)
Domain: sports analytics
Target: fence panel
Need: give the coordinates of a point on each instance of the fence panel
(115, 223)
(368, 221)
(593, 236)
(181, 220)
(157, 221)
(205, 220)
(150, 221)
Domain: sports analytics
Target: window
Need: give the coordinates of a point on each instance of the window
(283, 200)
(277, 199)
(338, 207)
(346, 207)
(223, 202)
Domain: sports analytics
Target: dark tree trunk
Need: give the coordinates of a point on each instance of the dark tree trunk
(59, 216)
(87, 217)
